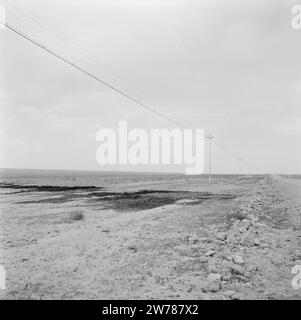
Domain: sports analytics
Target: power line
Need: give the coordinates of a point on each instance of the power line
(141, 104)
(45, 48)
(46, 26)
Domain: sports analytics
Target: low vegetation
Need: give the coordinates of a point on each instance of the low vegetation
(76, 215)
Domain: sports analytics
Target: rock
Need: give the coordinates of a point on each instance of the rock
(204, 239)
(222, 236)
(210, 253)
(133, 249)
(226, 277)
(238, 259)
(238, 270)
(245, 225)
(259, 225)
(194, 239)
(229, 293)
(252, 217)
(247, 241)
(202, 260)
(256, 242)
(218, 242)
(213, 283)
(212, 268)
(235, 224)
(252, 268)
(237, 296)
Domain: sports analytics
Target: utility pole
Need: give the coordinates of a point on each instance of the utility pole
(210, 137)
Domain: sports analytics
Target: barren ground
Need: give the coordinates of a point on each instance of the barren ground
(182, 239)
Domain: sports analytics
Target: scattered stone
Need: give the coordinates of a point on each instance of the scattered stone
(252, 217)
(218, 242)
(213, 283)
(133, 249)
(252, 268)
(236, 269)
(194, 239)
(212, 268)
(226, 277)
(245, 225)
(210, 253)
(238, 259)
(247, 241)
(222, 236)
(204, 239)
(242, 278)
(229, 293)
(237, 296)
(259, 225)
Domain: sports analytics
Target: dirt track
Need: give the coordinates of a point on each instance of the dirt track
(242, 247)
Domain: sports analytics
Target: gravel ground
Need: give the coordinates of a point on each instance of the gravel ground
(235, 239)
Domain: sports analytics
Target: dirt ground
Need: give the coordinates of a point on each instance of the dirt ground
(183, 239)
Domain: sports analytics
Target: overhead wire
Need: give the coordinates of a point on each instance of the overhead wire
(91, 75)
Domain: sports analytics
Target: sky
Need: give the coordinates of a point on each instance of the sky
(231, 67)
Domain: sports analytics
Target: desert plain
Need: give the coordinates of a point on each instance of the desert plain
(151, 237)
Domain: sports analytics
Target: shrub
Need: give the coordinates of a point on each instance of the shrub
(76, 215)
(238, 215)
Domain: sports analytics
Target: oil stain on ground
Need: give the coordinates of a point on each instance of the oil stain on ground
(118, 201)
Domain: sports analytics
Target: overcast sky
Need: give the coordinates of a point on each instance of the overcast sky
(230, 67)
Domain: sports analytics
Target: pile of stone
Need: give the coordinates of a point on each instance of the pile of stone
(227, 252)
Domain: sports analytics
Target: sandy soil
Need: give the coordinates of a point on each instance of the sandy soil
(182, 239)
